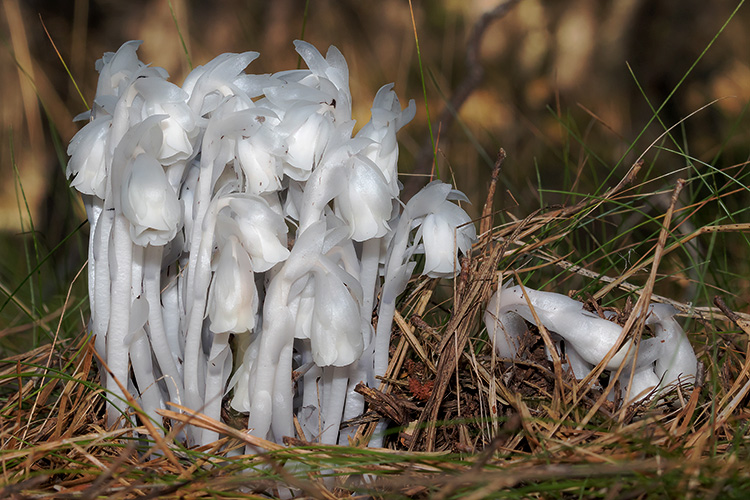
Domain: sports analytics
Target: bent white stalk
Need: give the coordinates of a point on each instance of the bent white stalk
(663, 360)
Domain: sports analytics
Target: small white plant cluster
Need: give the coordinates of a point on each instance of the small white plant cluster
(656, 364)
(242, 238)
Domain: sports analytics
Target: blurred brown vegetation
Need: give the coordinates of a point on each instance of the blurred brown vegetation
(551, 67)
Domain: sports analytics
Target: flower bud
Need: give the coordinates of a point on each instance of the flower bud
(336, 335)
(260, 229)
(87, 163)
(150, 203)
(233, 299)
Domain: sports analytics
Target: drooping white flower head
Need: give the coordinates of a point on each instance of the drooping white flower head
(444, 228)
(387, 119)
(157, 96)
(445, 232)
(259, 151)
(87, 165)
(233, 298)
(223, 76)
(324, 297)
(591, 336)
(260, 229)
(662, 360)
(116, 73)
(149, 202)
(365, 203)
(505, 328)
(335, 336)
(314, 106)
(329, 74)
(676, 359)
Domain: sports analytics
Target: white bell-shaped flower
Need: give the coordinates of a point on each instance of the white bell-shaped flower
(87, 163)
(445, 228)
(329, 75)
(233, 298)
(150, 203)
(387, 119)
(365, 203)
(445, 232)
(335, 336)
(259, 152)
(179, 127)
(308, 130)
(116, 72)
(261, 230)
(223, 76)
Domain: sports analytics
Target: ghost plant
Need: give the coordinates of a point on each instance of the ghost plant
(241, 233)
(659, 362)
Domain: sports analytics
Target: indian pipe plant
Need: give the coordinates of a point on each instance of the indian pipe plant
(240, 231)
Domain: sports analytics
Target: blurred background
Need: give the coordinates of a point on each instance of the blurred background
(568, 90)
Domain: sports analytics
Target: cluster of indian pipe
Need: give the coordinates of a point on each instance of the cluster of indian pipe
(242, 239)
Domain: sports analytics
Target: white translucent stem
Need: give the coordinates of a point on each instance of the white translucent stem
(283, 401)
(197, 294)
(119, 324)
(312, 395)
(355, 402)
(216, 376)
(170, 301)
(162, 349)
(276, 338)
(333, 407)
(368, 275)
(383, 337)
(94, 208)
(397, 273)
(150, 398)
(101, 239)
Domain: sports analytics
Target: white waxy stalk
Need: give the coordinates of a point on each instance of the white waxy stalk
(644, 382)
(194, 376)
(100, 239)
(218, 369)
(505, 329)
(149, 395)
(579, 366)
(336, 380)
(140, 350)
(157, 331)
(119, 318)
(591, 336)
(663, 360)
(171, 311)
